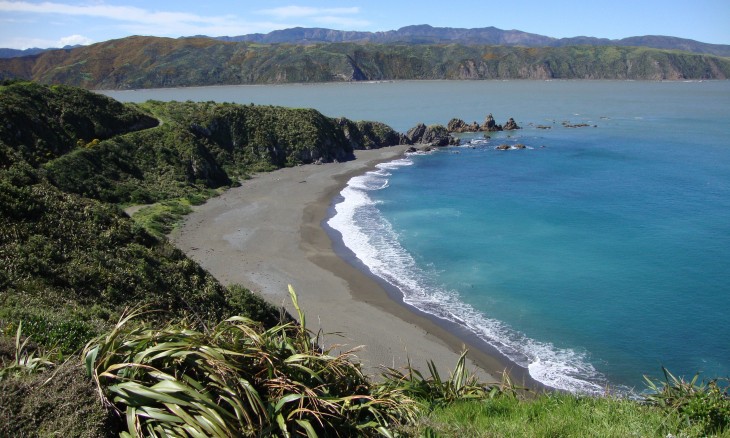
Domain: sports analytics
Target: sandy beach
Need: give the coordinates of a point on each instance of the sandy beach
(267, 234)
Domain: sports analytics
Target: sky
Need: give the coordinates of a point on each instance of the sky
(56, 23)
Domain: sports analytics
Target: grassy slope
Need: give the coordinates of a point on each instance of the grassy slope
(553, 415)
(146, 62)
(43, 123)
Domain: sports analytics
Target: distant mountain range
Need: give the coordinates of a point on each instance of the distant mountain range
(425, 34)
(323, 55)
(16, 53)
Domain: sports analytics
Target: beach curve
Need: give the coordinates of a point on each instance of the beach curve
(267, 233)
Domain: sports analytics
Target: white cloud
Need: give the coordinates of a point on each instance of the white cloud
(21, 43)
(122, 13)
(142, 21)
(103, 21)
(73, 40)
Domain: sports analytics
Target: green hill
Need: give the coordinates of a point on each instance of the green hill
(70, 158)
(71, 261)
(149, 62)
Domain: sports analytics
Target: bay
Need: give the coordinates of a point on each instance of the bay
(594, 256)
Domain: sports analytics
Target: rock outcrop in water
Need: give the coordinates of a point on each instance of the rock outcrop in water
(490, 125)
(458, 125)
(434, 135)
(506, 147)
(511, 125)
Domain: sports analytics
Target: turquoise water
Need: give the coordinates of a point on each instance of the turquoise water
(597, 255)
(594, 256)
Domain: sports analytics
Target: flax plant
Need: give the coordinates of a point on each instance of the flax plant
(237, 379)
(704, 405)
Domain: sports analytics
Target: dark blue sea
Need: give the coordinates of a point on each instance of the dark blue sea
(595, 255)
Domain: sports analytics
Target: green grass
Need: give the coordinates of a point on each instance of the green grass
(552, 415)
(161, 218)
(239, 378)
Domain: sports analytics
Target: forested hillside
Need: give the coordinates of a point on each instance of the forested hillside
(148, 62)
(71, 261)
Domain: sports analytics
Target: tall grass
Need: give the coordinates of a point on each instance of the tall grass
(549, 415)
(25, 361)
(241, 379)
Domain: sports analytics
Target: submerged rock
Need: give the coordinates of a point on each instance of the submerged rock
(506, 147)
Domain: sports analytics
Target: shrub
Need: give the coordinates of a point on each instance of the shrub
(435, 391)
(705, 405)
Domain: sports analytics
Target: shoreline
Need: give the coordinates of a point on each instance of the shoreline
(270, 232)
(391, 300)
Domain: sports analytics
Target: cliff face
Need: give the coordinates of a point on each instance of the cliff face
(148, 62)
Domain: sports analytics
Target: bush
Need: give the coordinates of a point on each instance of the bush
(704, 405)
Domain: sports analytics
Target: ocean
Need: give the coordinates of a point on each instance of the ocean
(594, 256)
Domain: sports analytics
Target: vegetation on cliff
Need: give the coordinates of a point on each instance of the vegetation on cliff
(69, 264)
(71, 259)
(149, 62)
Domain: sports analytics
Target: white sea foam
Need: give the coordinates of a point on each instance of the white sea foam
(372, 239)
